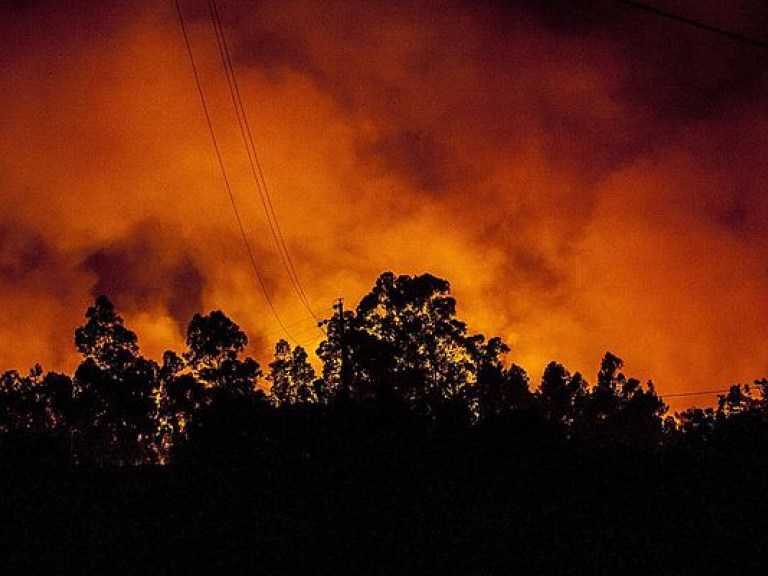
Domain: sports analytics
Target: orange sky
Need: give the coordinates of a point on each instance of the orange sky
(588, 177)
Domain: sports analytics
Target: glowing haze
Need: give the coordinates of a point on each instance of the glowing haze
(588, 176)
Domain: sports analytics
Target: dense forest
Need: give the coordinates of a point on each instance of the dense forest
(417, 448)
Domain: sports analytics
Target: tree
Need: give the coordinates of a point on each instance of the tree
(737, 401)
(57, 392)
(114, 392)
(214, 344)
(403, 341)
(762, 386)
(22, 407)
(499, 390)
(181, 397)
(740, 418)
(641, 419)
(343, 335)
(104, 339)
(210, 398)
(604, 397)
(620, 409)
(697, 425)
(560, 394)
(34, 412)
(292, 375)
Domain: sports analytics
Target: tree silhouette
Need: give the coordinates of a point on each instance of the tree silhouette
(114, 392)
(400, 354)
(560, 395)
(417, 430)
(604, 399)
(738, 400)
(499, 390)
(57, 392)
(620, 410)
(292, 376)
(403, 341)
(337, 352)
(104, 339)
(22, 406)
(181, 397)
(214, 344)
(212, 400)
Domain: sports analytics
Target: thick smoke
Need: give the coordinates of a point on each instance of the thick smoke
(149, 270)
(588, 175)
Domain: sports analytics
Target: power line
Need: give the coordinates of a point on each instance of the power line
(234, 93)
(227, 185)
(702, 393)
(301, 321)
(695, 23)
(253, 159)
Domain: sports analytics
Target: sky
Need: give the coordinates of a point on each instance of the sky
(587, 175)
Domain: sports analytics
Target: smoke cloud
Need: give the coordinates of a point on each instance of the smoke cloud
(587, 175)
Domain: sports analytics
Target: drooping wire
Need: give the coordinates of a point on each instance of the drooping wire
(253, 158)
(268, 348)
(251, 257)
(320, 313)
(255, 164)
(692, 393)
(694, 23)
(234, 93)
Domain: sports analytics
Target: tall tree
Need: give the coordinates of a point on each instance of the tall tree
(499, 390)
(403, 340)
(343, 335)
(291, 375)
(214, 344)
(621, 409)
(181, 397)
(104, 339)
(559, 394)
(22, 404)
(114, 391)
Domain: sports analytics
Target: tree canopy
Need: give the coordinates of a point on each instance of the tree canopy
(402, 348)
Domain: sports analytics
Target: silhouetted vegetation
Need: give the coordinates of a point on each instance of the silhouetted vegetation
(417, 448)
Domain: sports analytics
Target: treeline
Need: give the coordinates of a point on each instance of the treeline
(401, 366)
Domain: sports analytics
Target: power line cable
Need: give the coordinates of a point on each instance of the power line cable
(702, 393)
(237, 104)
(320, 314)
(254, 161)
(253, 157)
(695, 23)
(227, 185)
(684, 394)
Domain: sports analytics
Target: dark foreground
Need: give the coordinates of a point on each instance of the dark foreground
(451, 505)
(418, 450)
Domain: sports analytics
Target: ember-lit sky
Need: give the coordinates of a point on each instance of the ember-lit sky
(588, 176)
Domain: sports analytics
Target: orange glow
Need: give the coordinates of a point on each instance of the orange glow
(582, 190)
